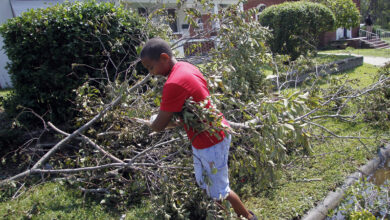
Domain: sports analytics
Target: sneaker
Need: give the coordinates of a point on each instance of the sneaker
(254, 217)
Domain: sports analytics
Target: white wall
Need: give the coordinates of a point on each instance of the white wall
(340, 33)
(5, 13)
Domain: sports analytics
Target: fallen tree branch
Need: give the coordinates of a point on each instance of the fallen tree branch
(98, 190)
(87, 125)
(246, 125)
(74, 134)
(333, 134)
(90, 142)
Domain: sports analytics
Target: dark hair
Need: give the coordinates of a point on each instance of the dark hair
(154, 48)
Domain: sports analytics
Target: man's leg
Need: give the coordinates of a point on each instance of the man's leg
(214, 159)
(237, 205)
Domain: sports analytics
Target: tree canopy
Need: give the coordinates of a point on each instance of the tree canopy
(296, 26)
(346, 12)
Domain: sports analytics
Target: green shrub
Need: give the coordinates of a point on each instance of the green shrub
(53, 51)
(296, 26)
(346, 12)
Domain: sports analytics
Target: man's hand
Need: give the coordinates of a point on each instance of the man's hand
(162, 121)
(142, 121)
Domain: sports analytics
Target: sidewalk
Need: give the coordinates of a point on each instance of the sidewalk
(377, 61)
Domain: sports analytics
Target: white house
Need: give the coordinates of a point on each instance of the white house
(180, 27)
(10, 9)
(5, 13)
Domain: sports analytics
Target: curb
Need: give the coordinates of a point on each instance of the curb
(332, 200)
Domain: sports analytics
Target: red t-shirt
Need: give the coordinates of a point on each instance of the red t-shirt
(184, 81)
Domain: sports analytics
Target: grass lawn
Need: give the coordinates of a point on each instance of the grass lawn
(363, 52)
(304, 181)
(55, 201)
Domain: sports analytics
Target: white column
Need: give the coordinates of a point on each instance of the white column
(216, 23)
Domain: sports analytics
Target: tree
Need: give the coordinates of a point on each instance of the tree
(296, 26)
(379, 11)
(346, 12)
(121, 159)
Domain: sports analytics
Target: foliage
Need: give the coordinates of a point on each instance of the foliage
(296, 26)
(346, 12)
(364, 200)
(376, 105)
(259, 150)
(53, 51)
(379, 11)
(242, 38)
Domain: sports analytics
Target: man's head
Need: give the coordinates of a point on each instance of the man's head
(156, 56)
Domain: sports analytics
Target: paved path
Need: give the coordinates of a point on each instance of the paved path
(377, 61)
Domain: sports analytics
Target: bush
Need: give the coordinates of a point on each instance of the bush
(296, 26)
(53, 51)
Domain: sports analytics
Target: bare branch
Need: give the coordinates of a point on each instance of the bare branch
(88, 124)
(333, 134)
(85, 138)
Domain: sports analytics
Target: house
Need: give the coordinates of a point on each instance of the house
(10, 9)
(202, 44)
(197, 40)
(180, 27)
(5, 13)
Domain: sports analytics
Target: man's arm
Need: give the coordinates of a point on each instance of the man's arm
(162, 121)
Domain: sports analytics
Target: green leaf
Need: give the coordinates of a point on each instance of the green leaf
(289, 127)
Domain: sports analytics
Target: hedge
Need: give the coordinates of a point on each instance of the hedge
(296, 26)
(44, 45)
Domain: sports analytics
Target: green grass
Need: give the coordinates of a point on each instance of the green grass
(363, 52)
(55, 201)
(364, 75)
